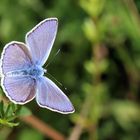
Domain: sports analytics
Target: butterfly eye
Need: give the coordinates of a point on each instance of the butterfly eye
(45, 71)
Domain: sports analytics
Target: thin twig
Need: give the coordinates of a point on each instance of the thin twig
(78, 129)
(99, 53)
(42, 127)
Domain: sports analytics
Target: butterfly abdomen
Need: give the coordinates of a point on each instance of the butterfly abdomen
(33, 71)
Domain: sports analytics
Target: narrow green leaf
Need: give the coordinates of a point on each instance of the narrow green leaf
(7, 109)
(11, 118)
(1, 109)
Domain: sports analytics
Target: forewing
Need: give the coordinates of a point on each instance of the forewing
(15, 56)
(19, 89)
(41, 38)
(51, 97)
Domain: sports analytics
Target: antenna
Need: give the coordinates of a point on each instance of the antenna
(52, 58)
(56, 80)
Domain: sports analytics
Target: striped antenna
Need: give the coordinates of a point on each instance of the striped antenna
(52, 58)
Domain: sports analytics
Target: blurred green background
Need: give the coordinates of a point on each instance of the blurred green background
(99, 64)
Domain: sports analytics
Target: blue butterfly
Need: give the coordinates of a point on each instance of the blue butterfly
(22, 71)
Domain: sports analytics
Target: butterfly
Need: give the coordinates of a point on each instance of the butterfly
(22, 72)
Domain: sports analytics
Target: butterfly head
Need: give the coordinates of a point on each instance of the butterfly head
(45, 71)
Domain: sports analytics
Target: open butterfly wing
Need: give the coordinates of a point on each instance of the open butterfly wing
(15, 56)
(40, 40)
(19, 89)
(51, 97)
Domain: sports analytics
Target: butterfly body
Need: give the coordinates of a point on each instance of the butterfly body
(23, 74)
(35, 71)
